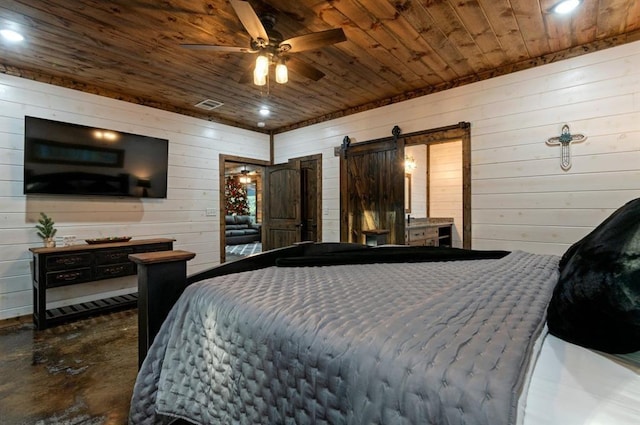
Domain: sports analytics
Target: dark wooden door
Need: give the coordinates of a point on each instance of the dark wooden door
(372, 190)
(282, 224)
(311, 196)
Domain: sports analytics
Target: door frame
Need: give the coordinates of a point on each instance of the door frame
(223, 159)
(453, 133)
(318, 158)
(460, 131)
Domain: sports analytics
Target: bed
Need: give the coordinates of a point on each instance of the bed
(345, 334)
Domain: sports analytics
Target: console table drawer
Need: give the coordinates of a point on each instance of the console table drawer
(422, 233)
(422, 242)
(65, 261)
(69, 277)
(421, 236)
(115, 270)
(414, 234)
(113, 256)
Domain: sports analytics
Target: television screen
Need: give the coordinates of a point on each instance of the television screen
(72, 159)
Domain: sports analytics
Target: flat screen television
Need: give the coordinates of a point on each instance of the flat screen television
(70, 159)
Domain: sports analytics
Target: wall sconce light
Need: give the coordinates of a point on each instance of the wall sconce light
(409, 164)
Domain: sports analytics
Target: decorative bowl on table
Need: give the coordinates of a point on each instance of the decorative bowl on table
(110, 239)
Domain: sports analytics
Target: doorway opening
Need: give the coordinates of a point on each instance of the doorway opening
(241, 207)
(278, 204)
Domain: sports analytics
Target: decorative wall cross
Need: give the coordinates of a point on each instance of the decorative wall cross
(564, 140)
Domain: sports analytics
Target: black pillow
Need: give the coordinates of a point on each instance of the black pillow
(596, 302)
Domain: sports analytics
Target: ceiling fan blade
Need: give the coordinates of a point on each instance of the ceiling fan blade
(304, 69)
(213, 47)
(250, 20)
(313, 41)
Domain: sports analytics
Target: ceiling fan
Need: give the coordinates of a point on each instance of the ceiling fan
(270, 47)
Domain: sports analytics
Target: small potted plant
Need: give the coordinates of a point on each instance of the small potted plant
(46, 230)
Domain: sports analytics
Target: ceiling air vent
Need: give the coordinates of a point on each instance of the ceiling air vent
(209, 104)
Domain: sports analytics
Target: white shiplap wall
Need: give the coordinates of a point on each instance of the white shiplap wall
(194, 149)
(521, 199)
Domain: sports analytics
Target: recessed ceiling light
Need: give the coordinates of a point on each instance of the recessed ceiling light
(261, 124)
(566, 6)
(264, 111)
(11, 35)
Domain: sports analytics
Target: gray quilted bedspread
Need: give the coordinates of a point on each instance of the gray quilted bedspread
(420, 343)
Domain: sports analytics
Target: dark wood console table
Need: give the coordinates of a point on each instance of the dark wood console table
(71, 265)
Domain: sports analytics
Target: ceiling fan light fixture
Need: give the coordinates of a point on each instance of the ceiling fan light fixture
(259, 79)
(282, 74)
(244, 177)
(262, 65)
(565, 6)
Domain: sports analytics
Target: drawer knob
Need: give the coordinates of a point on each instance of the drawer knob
(68, 261)
(113, 270)
(68, 276)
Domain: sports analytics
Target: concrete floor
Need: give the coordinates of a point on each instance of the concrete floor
(79, 373)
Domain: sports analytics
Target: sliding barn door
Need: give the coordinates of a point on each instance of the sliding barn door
(372, 190)
(282, 222)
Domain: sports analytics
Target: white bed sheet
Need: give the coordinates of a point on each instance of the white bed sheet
(572, 385)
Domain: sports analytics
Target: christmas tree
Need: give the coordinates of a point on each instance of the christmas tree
(236, 197)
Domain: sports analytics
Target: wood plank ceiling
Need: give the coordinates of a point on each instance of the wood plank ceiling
(395, 50)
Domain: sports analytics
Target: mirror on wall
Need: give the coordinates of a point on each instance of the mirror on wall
(433, 183)
(416, 187)
(407, 193)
